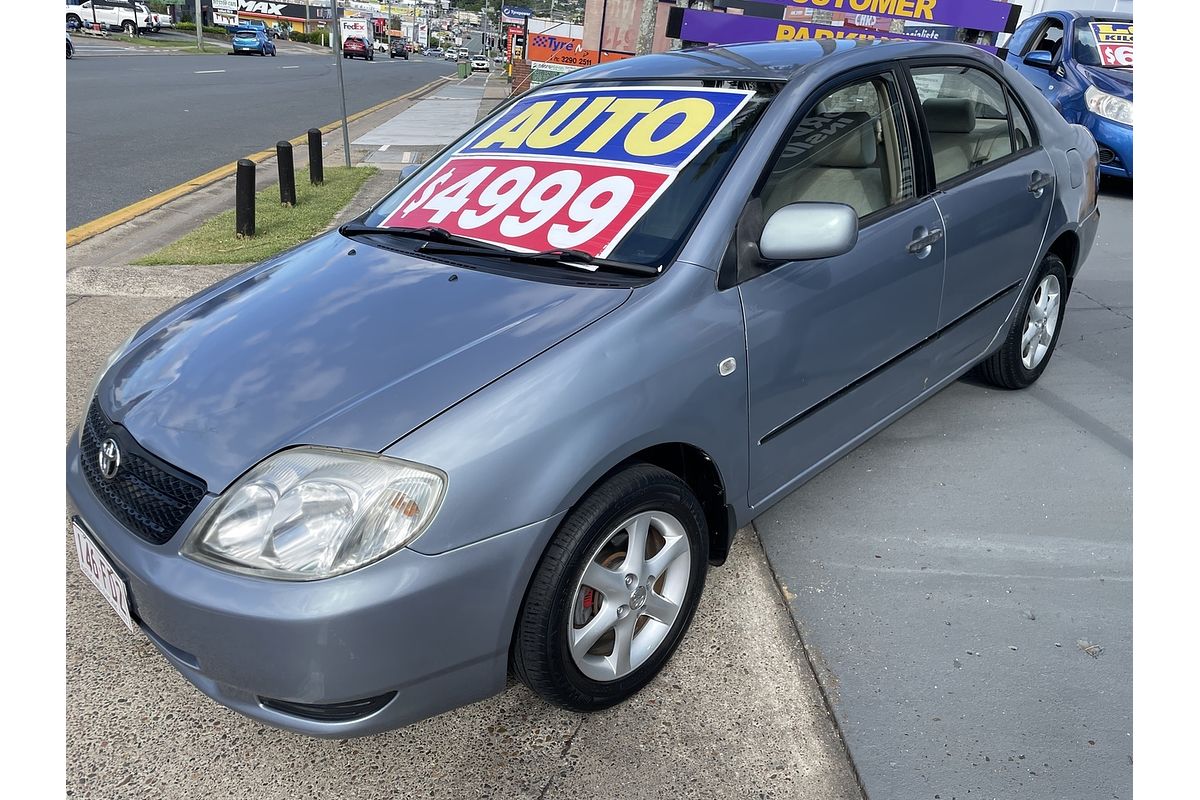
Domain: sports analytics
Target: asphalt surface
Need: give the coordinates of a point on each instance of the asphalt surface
(963, 581)
(142, 122)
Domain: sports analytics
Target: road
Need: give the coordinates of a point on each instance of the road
(963, 581)
(140, 123)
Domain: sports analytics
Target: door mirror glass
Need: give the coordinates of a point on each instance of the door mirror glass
(1040, 59)
(802, 231)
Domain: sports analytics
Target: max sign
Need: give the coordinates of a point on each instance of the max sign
(572, 169)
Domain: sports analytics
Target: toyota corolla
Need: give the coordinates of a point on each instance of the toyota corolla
(506, 420)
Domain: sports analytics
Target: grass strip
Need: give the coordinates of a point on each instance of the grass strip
(277, 227)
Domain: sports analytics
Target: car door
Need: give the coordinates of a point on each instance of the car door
(1049, 37)
(995, 188)
(831, 343)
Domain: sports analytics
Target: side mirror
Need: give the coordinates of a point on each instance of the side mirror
(803, 231)
(406, 171)
(1040, 59)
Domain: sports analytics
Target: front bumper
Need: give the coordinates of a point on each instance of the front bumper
(433, 629)
(1115, 138)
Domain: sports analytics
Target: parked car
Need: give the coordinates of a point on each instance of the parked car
(1089, 82)
(252, 39)
(510, 415)
(279, 31)
(357, 47)
(117, 15)
(480, 62)
(70, 47)
(399, 49)
(434, 52)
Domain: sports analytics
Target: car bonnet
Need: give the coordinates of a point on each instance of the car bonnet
(338, 343)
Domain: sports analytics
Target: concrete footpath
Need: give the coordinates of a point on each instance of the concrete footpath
(736, 713)
(963, 581)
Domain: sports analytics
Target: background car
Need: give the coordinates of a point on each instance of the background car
(480, 62)
(399, 48)
(434, 52)
(1058, 53)
(451, 54)
(357, 47)
(252, 40)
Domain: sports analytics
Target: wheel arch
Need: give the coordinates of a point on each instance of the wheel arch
(1066, 247)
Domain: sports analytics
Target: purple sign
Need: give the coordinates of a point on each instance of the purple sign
(984, 15)
(715, 27)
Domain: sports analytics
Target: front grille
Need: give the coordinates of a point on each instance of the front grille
(146, 495)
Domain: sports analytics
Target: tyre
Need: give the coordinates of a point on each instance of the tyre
(1031, 340)
(73, 19)
(614, 592)
(129, 28)
(70, 51)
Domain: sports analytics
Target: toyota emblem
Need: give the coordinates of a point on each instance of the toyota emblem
(110, 458)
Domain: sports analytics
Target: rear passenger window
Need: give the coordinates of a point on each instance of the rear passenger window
(851, 148)
(967, 117)
(1022, 131)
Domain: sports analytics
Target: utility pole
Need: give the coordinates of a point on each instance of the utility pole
(199, 28)
(337, 59)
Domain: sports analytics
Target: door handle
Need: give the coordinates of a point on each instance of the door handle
(1038, 182)
(924, 241)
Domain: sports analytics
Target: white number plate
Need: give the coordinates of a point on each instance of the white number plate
(101, 573)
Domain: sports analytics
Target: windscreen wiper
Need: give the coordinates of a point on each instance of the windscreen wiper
(430, 233)
(562, 258)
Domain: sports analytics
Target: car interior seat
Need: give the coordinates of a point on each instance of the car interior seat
(842, 167)
(959, 140)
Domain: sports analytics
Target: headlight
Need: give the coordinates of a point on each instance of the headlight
(313, 513)
(1108, 106)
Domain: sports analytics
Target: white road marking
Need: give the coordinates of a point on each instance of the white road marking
(294, 66)
(207, 71)
(385, 147)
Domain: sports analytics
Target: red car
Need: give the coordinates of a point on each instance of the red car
(357, 47)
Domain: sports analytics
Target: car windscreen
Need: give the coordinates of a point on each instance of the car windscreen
(619, 171)
(1100, 42)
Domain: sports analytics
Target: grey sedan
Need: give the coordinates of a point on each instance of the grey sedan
(506, 420)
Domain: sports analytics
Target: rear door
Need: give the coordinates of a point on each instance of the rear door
(995, 188)
(832, 343)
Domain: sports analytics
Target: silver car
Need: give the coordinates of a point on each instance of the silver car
(507, 420)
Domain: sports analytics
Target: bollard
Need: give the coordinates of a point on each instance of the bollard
(316, 168)
(245, 197)
(287, 173)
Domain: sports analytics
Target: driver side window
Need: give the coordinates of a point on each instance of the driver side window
(850, 148)
(1049, 39)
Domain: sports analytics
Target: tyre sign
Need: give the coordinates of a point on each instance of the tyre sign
(1114, 40)
(572, 169)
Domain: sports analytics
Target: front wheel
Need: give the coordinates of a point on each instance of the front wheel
(615, 591)
(129, 28)
(1034, 333)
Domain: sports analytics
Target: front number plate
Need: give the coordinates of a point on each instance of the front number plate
(101, 573)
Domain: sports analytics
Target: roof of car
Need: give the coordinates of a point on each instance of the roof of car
(1092, 13)
(778, 61)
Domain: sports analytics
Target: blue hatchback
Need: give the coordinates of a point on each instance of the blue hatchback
(1083, 64)
(252, 40)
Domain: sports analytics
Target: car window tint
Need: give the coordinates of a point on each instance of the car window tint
(1022, 35)
(848, 149)
(966, 115)
(1022, 130)
(1049, 38)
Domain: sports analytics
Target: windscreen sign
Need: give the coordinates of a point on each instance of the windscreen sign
(1114, 40)
(571, 169)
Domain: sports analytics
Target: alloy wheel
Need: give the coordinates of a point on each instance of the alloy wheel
(629, 595)
(1041, 321)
